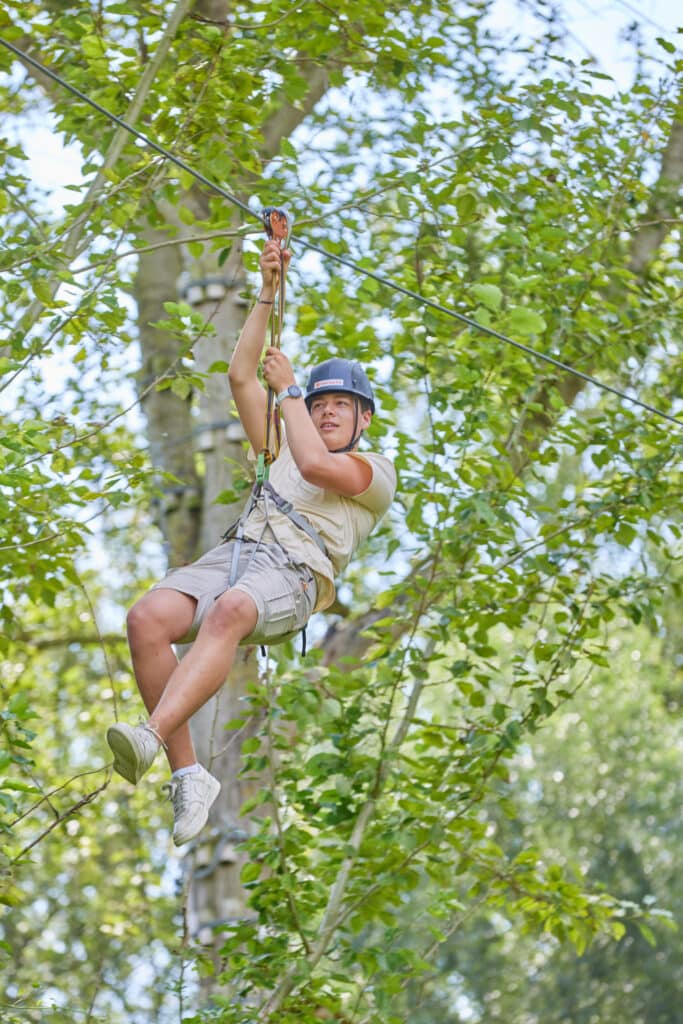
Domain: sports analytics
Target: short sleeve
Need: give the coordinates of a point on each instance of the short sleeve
(378, 496)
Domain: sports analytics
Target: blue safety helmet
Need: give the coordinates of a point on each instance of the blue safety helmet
(339, 375)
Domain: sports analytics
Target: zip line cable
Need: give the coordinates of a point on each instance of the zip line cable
(342, 260)
(489, 330)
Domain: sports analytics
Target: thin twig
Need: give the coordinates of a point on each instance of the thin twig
(330, 917)
(153, 247)
(63, 817)
(293, 909)
(53, 792)
(74, 241)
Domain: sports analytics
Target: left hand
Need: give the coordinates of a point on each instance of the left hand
(270, 261)
(277, 370)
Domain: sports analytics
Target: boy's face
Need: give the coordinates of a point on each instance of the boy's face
(333, 416)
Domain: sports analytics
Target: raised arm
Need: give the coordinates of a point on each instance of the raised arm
(247, 391)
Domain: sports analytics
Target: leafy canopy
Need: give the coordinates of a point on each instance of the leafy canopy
(536, 520)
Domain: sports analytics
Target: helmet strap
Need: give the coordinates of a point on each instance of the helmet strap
(356, 434)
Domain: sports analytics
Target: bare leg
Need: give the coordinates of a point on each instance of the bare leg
(205, 667)
(158, 620)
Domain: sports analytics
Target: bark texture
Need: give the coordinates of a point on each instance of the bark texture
(169, 418)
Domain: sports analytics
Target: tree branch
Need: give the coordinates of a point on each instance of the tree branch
(645, 243)
(334, 911)
(282, 122)
(74, 242)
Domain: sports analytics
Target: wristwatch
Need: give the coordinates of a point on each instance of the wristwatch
(293, 391)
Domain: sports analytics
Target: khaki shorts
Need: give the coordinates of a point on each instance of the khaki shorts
(284, 593)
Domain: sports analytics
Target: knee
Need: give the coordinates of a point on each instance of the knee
(143, 620)
(233, 612)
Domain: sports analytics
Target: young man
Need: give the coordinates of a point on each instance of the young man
(266, 584)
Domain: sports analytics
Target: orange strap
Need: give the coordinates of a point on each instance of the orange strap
(276, 222)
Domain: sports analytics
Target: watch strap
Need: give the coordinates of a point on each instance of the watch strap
(287, 393)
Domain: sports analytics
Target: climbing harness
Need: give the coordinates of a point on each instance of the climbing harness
(267, 492)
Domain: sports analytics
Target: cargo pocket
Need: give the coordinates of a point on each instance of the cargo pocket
(287, 614)
(309, 592)
(280, 619)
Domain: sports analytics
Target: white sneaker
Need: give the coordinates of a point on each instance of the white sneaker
(192, 796)
(134, 748)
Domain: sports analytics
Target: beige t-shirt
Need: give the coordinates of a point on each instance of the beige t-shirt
(343, 523)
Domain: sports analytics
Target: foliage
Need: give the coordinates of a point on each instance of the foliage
(598, 791)
(535, 535)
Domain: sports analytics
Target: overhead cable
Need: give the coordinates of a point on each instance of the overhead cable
(342, 260)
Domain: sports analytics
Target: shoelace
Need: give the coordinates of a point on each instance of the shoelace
(148, 727)
(176, 794)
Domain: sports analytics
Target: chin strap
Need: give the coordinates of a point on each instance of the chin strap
(356, 435)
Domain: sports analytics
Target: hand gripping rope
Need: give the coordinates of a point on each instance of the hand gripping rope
(277, 223)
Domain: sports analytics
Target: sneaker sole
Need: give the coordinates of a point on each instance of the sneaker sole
(126, 762)
(180, 841)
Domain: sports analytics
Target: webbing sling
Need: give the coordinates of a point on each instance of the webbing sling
(277, 223)
(288, 509)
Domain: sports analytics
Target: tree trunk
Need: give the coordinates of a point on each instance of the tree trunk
(202, 450)
(169, 418)
(216, 895)
(200, 441)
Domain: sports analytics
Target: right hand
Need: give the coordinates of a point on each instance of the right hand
(270, 267)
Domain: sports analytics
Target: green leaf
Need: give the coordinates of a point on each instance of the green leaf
(250, 872)
(647, 933)
(466, 205)
(92, 47)
(489, 295)
(42, 290)
(625, 534)
(525, 321)
(181, 387)
(289, 150)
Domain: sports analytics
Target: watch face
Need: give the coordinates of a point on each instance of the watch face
(294, 391)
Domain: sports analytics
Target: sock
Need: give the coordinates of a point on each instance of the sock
(189, 770)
